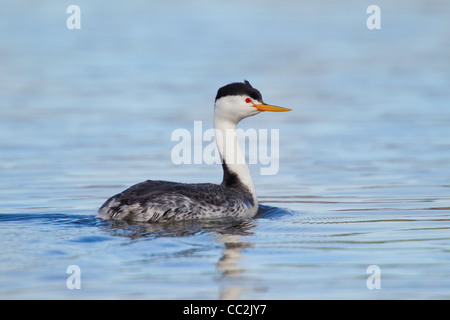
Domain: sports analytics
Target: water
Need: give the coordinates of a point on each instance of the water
(364, 155)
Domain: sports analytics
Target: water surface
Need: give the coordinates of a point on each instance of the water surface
(364, 155)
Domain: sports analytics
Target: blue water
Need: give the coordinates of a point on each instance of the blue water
(364, 157)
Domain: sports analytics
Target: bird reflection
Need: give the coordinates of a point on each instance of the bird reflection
(134, 230)
(228, 265)
(233, 233)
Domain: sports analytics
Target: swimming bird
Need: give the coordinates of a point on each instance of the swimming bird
(155, 200)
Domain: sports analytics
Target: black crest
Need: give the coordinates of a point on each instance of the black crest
(238, 89)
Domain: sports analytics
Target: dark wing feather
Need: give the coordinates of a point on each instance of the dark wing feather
(172, 200)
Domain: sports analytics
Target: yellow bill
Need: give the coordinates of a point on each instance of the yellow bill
(266, 107)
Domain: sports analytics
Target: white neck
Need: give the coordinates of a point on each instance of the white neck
(230, 152)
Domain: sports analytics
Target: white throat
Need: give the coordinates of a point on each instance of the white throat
(230, 151)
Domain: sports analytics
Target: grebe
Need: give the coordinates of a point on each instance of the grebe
(152, 201)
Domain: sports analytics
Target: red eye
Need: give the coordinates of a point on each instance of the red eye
(248, 100)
